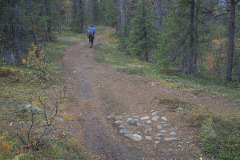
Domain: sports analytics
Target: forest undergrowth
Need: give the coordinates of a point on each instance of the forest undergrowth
(31, 100)
(219, 134)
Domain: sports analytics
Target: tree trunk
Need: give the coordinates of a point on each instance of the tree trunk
(49, 22)
(9, 57)
(74, 14)
(159, 13)
(35, 38)
(145, 37)
(19, 49)
(95, 12)
(82, 14)
(154, 7)
(16, 35)
(59, 28)
(45, 23)
(34, 30)
(145, 33)
(66, 17)
(231, 42)
(122, 17)
(239, 70)
(192, 40)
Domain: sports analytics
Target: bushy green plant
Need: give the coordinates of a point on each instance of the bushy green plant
(143, 32)
(221, 137)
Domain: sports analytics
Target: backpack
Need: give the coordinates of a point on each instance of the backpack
(90, 31)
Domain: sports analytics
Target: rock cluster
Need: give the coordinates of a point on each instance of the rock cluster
(151, 127)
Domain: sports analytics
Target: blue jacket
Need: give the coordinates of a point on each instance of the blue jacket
(90, 30)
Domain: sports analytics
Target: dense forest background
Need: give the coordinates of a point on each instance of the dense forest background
(190, 37)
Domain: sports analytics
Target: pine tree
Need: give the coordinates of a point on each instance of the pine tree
(78, 16)
(24, 22)
(110, 13)
(143, 33)
(184, 36)
(233, 4)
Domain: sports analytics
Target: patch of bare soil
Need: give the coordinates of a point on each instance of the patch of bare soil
(99, 94)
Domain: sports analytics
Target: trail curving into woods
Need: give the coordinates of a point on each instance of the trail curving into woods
(117, 116)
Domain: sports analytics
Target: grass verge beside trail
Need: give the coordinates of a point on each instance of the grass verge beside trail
(17, 85)
(219, 136)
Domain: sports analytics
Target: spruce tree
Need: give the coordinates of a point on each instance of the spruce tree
(78, 16)
(110, 13)
(143, 33)
(184, 36)
(24, 22)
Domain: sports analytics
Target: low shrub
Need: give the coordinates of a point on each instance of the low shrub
(221, 137)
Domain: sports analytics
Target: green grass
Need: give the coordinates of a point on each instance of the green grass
(220, 136)
(63, 148)
(176, 104)
(17, 83)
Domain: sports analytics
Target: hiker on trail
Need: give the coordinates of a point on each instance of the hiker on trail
(90, 34)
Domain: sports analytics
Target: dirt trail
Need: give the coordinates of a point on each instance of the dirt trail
(97, 91)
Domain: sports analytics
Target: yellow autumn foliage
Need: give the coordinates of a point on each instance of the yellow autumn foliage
(32, 60)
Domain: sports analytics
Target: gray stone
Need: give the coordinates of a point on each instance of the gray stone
(136, 120)
(155, 113)
(171, 139)
(135, 137)
(159, 127)
(131, 121)
(155, 118)
(135, 116)
(173, 133)
(159, 134)
(149, 121)
(163, 131)
(148, 138)
(164, 118)
(139, 124)
(110, 116)
(149, 129)
(122, 126)
(118, 122)
(159, 138)
(119, 118)
(165, 124)
(144, 118)
(156, 142)
(123, 131)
